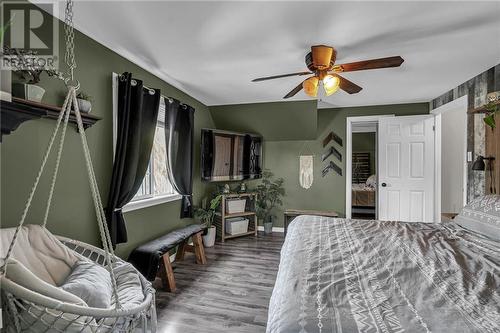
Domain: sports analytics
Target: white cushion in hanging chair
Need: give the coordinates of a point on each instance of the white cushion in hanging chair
(40, 252)
(129, 285)
(16, 272)
(90, 282)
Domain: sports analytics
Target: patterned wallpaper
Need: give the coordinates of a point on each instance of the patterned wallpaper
(476, 90)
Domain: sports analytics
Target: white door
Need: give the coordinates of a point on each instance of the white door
(406, 168)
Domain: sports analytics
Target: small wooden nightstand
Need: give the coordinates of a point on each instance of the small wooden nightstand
(290, 214)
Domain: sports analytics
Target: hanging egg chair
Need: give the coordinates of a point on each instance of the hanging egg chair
(56, 284)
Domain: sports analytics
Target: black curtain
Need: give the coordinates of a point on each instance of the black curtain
(137, 119)
(179, 136)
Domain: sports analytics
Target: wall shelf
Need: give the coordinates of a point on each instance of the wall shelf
(19, 110)
(482, 109)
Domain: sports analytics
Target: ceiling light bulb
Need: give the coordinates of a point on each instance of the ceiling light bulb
(330, 84)
(311, 86)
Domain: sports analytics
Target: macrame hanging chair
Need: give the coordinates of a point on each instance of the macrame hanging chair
(28, 306)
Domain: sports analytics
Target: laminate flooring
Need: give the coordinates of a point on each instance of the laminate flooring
(229, 294)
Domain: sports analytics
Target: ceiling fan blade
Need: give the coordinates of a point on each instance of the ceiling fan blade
(348, 86)
(280, 76)
(294, 91)
(369, 64)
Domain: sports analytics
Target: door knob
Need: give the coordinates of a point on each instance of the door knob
(383, 184)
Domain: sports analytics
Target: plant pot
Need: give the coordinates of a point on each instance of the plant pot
(268, 228)
(30, 92)
(84, 105)
(268, 225)
(6, 85)
(209, 238)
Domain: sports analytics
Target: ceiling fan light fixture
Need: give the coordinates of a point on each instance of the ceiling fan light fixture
(322, 56)
(311, 86)
(331, 84)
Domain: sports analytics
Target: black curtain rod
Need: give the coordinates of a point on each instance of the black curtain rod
(152, 92)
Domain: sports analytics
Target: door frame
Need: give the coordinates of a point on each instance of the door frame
(348, 158)
(437, 112)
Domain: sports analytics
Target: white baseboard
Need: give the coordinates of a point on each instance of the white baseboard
(275, 229)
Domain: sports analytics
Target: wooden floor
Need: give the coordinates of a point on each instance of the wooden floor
(229, 294)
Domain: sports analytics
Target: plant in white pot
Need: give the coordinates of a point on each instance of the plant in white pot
(270, 193)
(84, 102)
(28, 74)
(206, 215)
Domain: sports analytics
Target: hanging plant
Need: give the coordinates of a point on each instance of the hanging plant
(491, 110)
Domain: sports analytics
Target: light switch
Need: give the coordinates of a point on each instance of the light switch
(469, 156)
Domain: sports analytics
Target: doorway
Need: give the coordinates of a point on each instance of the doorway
(406, 167)
(361, 166)
(451, 120)
(364, 171)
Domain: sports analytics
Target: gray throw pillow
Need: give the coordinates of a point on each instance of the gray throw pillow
(90, 282)
(482, 215)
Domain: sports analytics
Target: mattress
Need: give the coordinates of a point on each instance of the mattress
(341, 275)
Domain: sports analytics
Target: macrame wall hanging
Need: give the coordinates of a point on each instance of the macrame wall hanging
(306, 169)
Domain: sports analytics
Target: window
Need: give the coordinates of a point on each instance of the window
(156, 181)
(155, 188)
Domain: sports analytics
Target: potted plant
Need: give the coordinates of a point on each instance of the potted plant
(28, 72)
(84, 102)
(491, 109)
(269, 196)
(206, 215)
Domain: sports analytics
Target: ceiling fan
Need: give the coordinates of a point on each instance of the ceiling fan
(321, 63)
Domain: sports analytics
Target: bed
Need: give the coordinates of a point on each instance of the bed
(363, 196)
(340, 275)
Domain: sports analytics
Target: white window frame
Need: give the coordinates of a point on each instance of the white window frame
(145, 201)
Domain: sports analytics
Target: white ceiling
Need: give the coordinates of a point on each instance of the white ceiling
(212, 50)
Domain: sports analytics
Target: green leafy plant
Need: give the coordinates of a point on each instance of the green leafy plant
(84, 96)
(4, 29)
(207, 214)
(28, 70)
(270, 193)
(491, 110)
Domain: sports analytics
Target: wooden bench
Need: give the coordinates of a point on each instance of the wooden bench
(153, 259)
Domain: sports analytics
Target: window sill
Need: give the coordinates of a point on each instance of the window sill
(138, 204)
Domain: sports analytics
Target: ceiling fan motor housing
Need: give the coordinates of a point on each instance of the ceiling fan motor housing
(321, 58)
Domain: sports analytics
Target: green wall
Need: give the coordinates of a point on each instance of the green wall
(365, 143)
(274, 121)
(282, 156)
(289, 128)
(73, 214)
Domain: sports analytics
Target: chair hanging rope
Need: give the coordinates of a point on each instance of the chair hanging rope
(27, 310)
(69, 103)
